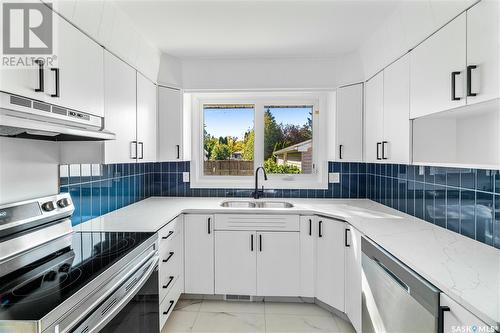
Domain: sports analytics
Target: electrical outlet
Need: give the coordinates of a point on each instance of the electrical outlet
(185, 177)
(334, 177)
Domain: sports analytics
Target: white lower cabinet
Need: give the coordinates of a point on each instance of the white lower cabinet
(168, 303)
(307, 255)
(353, 291)
(330, 261)
(198, 254)
(235, 261)
(457, 319)
(278, 264)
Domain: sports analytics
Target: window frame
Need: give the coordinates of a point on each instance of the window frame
(318, 179)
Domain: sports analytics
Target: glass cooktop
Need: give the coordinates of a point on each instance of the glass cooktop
(34, 290)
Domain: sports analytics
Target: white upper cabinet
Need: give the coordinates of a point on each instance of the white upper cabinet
(374, 118)
(349, 123)
(24, 81)
(76, 81)
(330, 261)
(396, 137)
(120, 106)
(146, 119)
(438, 75)
(483, 47)
(170, 124)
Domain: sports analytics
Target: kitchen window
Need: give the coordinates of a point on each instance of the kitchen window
(234, 133)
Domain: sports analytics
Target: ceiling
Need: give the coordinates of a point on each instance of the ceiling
(256, 29)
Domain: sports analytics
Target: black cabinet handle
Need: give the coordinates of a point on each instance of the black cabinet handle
(378, 150)
(208, 225)
(340, 151)
(453, 84)
(442, 310)
(310, 227)
(142, 150)
(169, 307)
(133, 150)
(260, 243)
(170, 233)
(41, 74)
(56, 73)
(384, 150)
(170, 254)
(251, 242)
(320, 231)
(345, 240)
(178, 151)
(469, 80)
(170, 279)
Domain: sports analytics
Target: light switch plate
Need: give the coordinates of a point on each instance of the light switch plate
(334, 177)
(185, 177)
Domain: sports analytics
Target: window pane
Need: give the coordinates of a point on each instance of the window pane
(288, 145)
(228, 140)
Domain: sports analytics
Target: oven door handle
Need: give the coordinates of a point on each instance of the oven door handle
(151, 263)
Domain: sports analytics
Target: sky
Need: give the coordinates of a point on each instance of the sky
(235, 122)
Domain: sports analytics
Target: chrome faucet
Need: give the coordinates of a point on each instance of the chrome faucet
(258, 193)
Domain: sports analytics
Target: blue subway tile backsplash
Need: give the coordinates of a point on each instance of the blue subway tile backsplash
(466, 201)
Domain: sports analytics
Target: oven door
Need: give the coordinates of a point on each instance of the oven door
(132, 307)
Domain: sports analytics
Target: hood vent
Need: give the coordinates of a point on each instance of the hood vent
(21, 117)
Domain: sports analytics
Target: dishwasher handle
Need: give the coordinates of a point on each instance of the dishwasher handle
(393, 276)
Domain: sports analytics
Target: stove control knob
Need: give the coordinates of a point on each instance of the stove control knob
(48, 206)
(63, 203)
(50, 276)
(64, 268)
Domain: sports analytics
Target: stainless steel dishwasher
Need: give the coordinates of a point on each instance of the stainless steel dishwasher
(395, 299)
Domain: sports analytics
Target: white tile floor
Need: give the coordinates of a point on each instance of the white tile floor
(221, 316)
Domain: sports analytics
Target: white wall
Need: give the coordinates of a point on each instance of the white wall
(170, 73)
(28, 169)
(410, 24)
(279, 73)
(110, 27)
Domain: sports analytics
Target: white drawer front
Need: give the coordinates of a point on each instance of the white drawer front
(257, 222)
(168, 304)
(173, 227)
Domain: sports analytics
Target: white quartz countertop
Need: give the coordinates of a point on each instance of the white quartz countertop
(466, 270)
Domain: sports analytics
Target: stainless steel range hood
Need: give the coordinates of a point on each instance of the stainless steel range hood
(22, 117)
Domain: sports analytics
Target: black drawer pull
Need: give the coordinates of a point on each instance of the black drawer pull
(310, 227)
(170, 233)
(453, 86)
(320, 231)
(378, 150)
(345, 240)
(169, 307)
(442, 310)
(170, 279)
(169, 256)
(41, 79)
(469, 80)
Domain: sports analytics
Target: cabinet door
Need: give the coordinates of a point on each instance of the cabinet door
(374, 118)
(483, 49)
(23, 81)
(80, 62)
(396, 144)
(278, 264)
(307, 255)
(330, 262)
(350, 123)
(120, 110)
(198, 254)
(353, 277)
(235, 262)
(146, 119)
(170, 124)
(458, 319)
(431, 70)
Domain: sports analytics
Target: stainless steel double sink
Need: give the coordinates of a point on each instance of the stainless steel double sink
(255, 204)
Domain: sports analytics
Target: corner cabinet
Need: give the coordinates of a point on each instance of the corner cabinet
(170, 124)
(387, 108)
(147, 119)
(199, 254)
(349, 123)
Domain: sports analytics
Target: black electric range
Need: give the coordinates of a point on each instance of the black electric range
(34, 290)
